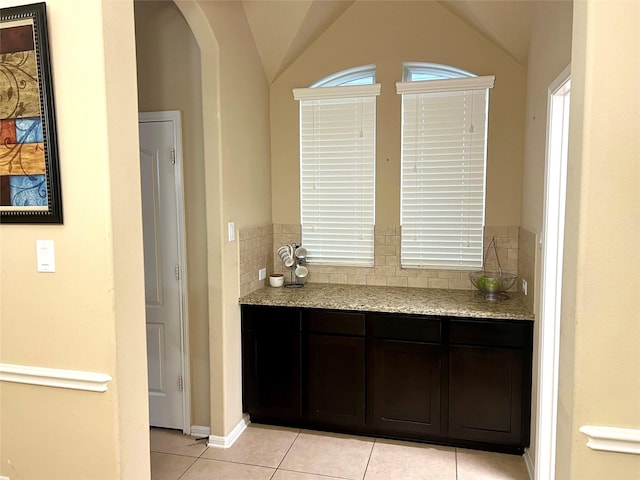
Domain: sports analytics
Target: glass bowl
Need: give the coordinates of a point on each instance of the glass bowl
(492, 284)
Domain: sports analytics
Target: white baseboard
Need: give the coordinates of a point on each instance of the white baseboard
(528, 461)
(200, 431)
(227, 441)
(55, 377)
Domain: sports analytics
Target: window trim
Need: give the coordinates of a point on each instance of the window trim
(350, 91)
(446, 85)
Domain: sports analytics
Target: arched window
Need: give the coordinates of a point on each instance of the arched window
(364, 75)
(337, 167)
(418, 72)
(444, 154)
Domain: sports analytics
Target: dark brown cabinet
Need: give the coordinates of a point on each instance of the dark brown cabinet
(405, 370)
(489, 381)
(462, 382)
(336, 368)
(271, 364)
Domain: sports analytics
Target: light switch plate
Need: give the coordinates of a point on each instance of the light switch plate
(45, 255)
(262, 274)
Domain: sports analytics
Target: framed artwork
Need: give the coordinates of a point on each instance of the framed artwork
(29, 172)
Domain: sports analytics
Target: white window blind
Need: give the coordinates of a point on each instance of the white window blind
(337, 173)
(444, 146)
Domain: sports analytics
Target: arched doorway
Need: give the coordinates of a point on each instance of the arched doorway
(177, 57)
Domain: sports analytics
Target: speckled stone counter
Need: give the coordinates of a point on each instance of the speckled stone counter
(420, 301)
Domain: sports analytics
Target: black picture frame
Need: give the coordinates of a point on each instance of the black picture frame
(29, 166)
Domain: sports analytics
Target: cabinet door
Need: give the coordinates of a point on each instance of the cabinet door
(485, 394)
(404, 394)
(271, 375)
(336, 380)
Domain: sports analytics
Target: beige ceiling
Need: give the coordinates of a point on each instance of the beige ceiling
(283, 29)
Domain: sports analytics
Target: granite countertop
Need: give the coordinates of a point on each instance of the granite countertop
(420, 301)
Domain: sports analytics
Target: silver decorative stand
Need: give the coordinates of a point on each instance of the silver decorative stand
(297, 261)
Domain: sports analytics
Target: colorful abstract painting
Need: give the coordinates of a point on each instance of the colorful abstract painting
(29, 180)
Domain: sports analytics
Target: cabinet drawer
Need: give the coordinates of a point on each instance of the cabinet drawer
(398, 327)
(270, 319)
(498, 334)
(337, 323)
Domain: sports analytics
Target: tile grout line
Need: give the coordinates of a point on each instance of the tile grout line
(456, 457)
(324, 475)
(285, 454)
(195, 459)
(188, 468)
(369, 459)
(206, 446)
(176, 454)
(311, 473)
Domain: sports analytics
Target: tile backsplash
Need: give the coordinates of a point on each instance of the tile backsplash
(256, 252)
(257, 248)
(387, 270)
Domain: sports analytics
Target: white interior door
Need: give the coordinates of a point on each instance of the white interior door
(159, 143)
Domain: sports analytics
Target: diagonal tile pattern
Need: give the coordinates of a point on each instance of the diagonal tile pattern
(260, 445)
(278, 453)
(171, 441)
(205, 469)
(409, 461)
(329, 454)
(165, 466)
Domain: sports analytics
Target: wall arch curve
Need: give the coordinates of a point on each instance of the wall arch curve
(210, 67)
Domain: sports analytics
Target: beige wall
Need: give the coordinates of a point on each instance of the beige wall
(386, 34)
(237, 181)
(98, 288)
(169, 78)
(549, 55)
(89, 314)
(600, 358)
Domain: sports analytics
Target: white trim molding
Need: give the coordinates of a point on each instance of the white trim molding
(55, 377)
(528, 462)
(351, 91)
(200, 431)
(446, 85)
(227, 441)
(612, 439)
(551, 242)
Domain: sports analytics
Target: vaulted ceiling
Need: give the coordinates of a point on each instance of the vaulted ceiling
(283, 29)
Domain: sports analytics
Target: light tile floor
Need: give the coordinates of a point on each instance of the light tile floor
(277, 453)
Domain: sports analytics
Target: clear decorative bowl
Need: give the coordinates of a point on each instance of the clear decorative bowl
(493, 284)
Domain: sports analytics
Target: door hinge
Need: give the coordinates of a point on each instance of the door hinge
(177, 272)
(180, 383)
(173, 156)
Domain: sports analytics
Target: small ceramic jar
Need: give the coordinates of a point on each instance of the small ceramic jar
(276, 279)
